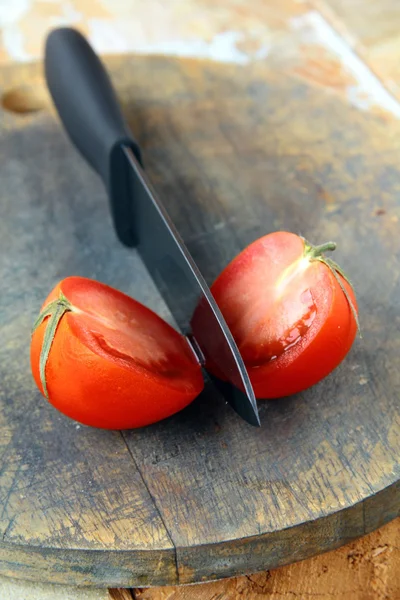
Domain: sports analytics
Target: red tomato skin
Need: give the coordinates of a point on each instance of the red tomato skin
(106, 389)
(326, 342)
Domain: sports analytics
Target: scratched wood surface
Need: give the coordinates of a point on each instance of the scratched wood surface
(367, 569)
(234, 153)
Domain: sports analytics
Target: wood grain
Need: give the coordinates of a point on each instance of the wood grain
(363, 570)
(234, 153)
(121, 594)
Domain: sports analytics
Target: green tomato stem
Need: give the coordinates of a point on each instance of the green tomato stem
(317, 253)
(54, 311)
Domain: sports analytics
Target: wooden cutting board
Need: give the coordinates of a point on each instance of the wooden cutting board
(235, 153)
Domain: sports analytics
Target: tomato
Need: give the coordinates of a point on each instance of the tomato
(291, 311)
(105, 360)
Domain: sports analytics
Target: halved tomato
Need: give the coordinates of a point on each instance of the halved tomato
(106, 360)
(291, 311)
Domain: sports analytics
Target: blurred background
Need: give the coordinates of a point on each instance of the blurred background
(351, 47)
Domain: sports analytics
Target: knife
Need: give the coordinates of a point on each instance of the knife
(88, 107)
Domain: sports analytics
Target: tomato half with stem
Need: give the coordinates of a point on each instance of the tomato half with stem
(107, 361)
(291, 310)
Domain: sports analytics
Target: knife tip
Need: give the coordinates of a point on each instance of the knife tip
(255, 420)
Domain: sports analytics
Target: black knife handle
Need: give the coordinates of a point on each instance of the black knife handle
(89, 110)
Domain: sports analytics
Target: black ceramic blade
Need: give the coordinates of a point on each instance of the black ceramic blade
(185, 290)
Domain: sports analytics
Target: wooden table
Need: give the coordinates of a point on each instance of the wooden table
(353, 54)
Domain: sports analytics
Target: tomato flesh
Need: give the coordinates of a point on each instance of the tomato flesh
(114, 363)
(288, 314)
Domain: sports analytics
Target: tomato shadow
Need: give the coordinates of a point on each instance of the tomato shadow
(272, 408)
(210, 413)
(207, 411)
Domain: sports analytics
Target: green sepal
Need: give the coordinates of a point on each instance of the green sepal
(54, 311)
